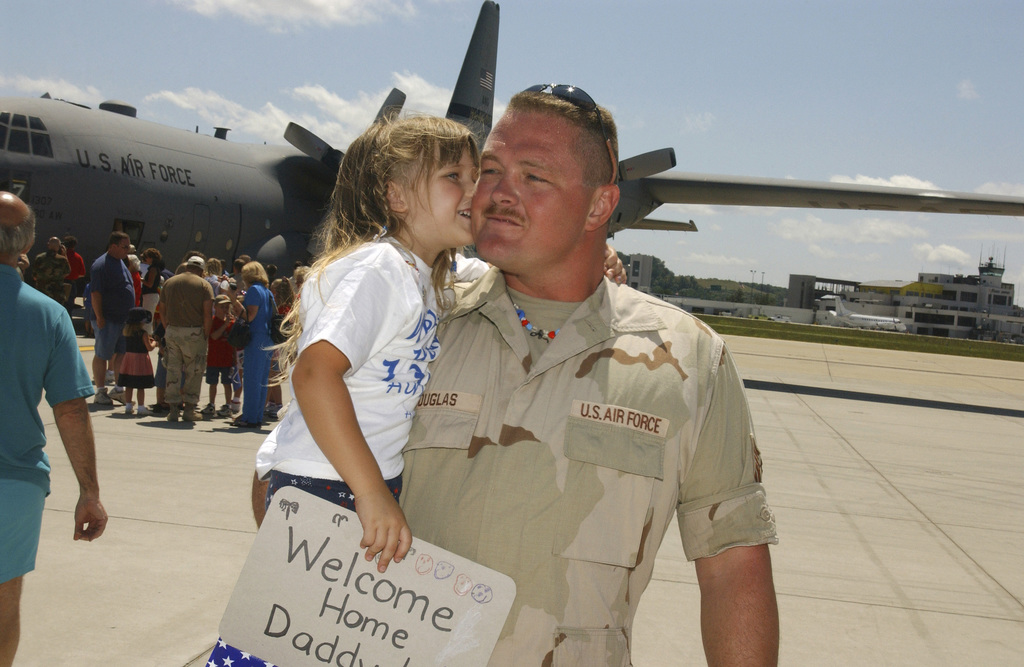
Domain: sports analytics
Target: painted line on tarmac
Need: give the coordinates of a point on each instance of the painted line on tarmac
(764, 385)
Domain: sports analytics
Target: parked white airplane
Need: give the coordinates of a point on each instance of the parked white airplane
(843, 318)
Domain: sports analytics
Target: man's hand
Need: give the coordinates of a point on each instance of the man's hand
(90, 519)
(385, 530)
(75, 427)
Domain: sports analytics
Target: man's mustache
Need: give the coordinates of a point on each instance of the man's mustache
(499, 212)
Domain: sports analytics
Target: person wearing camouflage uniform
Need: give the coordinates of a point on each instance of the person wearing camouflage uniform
(49, 270)
(567, 419)
(186, 308)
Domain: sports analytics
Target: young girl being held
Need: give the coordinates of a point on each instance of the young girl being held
(136, 366)
(365, 325)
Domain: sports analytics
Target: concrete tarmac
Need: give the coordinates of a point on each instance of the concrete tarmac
(895, 479)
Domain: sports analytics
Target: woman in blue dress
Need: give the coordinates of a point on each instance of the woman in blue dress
(257, 356)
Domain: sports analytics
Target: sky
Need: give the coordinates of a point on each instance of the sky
(907, 92)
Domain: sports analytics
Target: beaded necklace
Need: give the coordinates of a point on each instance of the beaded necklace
(532, 330)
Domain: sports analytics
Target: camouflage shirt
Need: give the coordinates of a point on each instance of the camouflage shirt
(48, 271)
(565, 472)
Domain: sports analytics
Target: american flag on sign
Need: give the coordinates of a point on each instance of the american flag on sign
(487, 80)
(225, 655)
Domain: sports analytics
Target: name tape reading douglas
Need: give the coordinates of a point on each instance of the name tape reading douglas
(307, 596)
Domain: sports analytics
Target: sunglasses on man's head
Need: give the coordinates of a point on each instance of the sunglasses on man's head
(580, 99)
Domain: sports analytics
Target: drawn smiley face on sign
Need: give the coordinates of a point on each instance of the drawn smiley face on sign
(424, 564)
(443, 570)
(463, 584)
(482, 593)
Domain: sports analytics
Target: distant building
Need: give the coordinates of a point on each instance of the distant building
(936, 304)
(638, 268)
(805, 290)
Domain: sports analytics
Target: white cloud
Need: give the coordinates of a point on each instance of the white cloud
(295, 13)
(1009, 189)
(687, 211)
(813, 230)
(820, 252)
(268, 122)
(965, 90)
(899, 181)
(58, 88)
(425, 96)
(942, 254)
(698, 122)
(335, 119)
(1012, 234)
(715, 260)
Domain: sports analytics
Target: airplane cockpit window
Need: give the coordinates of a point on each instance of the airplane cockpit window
(133, 228)
(41, 145)
(17, 141)
(24, 134)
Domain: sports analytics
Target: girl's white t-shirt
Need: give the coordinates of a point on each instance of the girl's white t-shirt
(378, 307)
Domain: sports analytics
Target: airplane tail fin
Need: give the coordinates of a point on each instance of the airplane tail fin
(473, 99)
(840, 308)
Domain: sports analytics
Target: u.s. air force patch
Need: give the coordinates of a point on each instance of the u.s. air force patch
(620, 416)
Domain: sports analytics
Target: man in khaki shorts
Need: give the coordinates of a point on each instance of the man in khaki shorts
(569, 420)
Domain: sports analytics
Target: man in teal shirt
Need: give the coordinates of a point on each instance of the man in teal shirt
(39, 354)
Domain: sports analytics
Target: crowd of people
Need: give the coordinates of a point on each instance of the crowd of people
(131, 313)
(186, 316)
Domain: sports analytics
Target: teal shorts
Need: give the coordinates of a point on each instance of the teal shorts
(20, 521)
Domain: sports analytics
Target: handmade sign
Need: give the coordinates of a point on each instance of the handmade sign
(307, 596)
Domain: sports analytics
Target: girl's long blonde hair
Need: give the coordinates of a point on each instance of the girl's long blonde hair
(132, 328)
(408, 151)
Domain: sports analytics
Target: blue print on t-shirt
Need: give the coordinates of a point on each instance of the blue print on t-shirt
(412, 377)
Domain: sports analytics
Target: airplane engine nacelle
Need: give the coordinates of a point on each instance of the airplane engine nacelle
(281, 249)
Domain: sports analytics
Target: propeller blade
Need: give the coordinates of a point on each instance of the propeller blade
(392, 106)
(313, 146)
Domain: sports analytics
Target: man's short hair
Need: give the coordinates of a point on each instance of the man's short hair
(593, 154)
(116, 238)
(14, 240)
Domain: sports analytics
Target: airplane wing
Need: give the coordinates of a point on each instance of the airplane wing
(688, 188)
(665, 225)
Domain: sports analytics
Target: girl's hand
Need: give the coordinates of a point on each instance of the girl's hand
(385, 530)
(613, 265)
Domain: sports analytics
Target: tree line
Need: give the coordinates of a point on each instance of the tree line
(665, 282)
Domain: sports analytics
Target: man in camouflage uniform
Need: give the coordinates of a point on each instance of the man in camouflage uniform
(50, 268)
(186, 307)
(568, 419)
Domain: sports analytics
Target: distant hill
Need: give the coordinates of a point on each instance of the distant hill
(665, 282)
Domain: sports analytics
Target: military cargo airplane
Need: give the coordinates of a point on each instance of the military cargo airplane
(90, 171)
